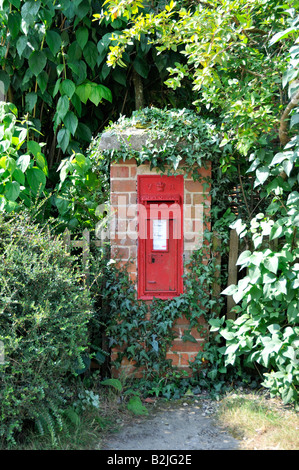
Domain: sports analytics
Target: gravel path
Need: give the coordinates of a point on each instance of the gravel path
(182, 425)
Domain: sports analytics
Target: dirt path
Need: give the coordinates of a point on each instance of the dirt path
(181, 425)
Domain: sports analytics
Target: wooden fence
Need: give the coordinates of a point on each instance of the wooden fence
(86, 242)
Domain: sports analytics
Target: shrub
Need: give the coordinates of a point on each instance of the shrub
(44, 314)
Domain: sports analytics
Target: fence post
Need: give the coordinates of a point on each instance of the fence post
(85, 251)
(67, 240)
(232, 270)
(216, 253)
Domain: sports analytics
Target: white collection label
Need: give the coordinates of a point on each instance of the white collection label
(159, 234)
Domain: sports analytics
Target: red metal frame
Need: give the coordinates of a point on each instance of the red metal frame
(165, 190)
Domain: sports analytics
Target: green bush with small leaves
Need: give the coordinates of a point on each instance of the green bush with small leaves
(44, 313)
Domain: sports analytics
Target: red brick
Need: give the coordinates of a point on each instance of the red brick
(185, 346)
(120, 252)
(133, 171)
(173, 357)
(201, 199)
(133, 198)
(119, 171)
(119, 199)
(194, 186)
(123, 186)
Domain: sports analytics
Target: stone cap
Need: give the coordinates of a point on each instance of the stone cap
(134, 137)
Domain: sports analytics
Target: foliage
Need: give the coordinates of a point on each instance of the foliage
(267, 330)
(53, 68)
(45, 309)
(236, 75)
(173, 136)
(224, 51)
(24, 177)
(23, 167)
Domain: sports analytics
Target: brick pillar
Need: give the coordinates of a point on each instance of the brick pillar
(123, 233)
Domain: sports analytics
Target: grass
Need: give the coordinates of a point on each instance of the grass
(260, 423)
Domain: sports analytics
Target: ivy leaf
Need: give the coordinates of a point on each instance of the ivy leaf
(37, 62)
(188, 337)
(54, 41)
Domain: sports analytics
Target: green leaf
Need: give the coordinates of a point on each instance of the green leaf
(12, 190)
(68, 88)
(106, 93)
(54, 41)
(244, 257)
(10, 165)
(83, 91)
(84, 132)
(281, 35)
(42, 163)
(276, 230)
(135, 405)
(62, 106)
(90, 54)
(37, 62)
(98, 92)
(141, 67)
(23, 162)
(30, 100)
(36, 180)
(71, 122)
(21, 45)
(42, 80)
(188, 337)
(14, 23)
(63, 138)
(74, 52)
(4, 82)
(115, 383)
(33, 147)
(262, 174)
(271, 264)
(19, 176)
(82, 36)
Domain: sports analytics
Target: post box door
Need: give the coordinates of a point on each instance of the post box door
(161, 270)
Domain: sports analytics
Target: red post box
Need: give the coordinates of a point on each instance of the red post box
(160, 236)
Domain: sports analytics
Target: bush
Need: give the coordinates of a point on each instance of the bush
(44, 314)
